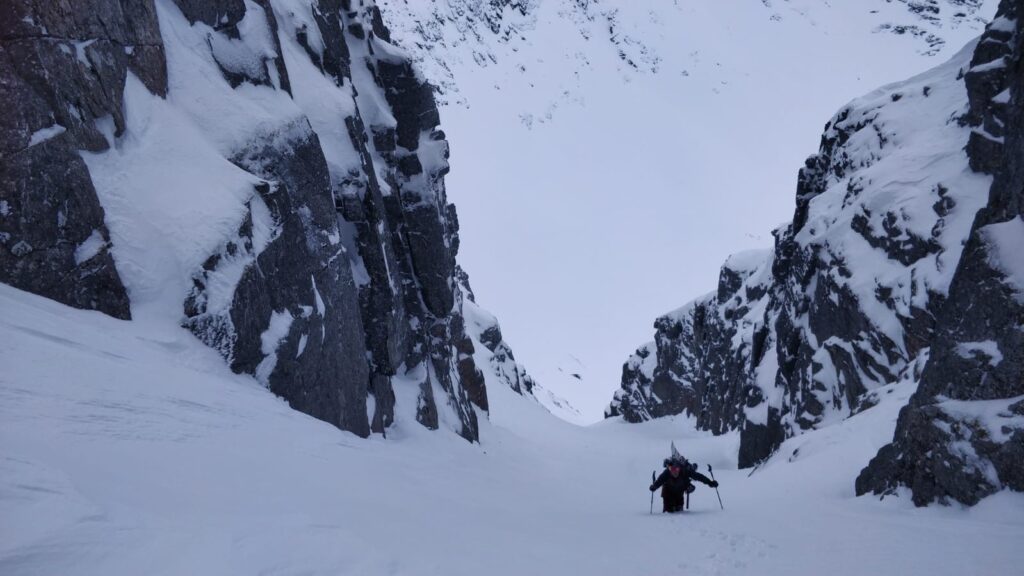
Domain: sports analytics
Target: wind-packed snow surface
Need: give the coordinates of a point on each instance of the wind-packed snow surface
(126, 449)
(609, 155)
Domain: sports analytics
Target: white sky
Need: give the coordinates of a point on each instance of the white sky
(627, 191)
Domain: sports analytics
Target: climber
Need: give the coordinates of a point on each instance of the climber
(676, 481)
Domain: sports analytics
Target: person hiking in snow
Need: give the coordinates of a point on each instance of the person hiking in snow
(676, 481)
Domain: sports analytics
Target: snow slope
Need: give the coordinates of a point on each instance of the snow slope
(128, 448)
(608, 155)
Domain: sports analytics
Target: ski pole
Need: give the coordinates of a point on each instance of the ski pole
(652, 492)
(716, 487)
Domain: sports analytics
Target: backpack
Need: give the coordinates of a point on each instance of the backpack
(680, 460)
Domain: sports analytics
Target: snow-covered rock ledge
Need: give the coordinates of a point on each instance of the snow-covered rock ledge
(961, 437)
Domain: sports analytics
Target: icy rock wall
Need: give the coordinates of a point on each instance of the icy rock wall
(850, 297)
(319, 255)
(961, 437)
(62, 72)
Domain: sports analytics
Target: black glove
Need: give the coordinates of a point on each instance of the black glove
(651, 488)
(713, 484)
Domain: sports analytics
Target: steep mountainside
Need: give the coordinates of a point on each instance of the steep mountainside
(962, 434)
(268, 174)
(857, 291)
(630, 116)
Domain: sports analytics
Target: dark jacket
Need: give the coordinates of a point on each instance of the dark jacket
(674, 488)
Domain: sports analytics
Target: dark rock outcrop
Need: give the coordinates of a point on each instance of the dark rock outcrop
(400, 239)
(299, 278)
(961, 437)
(62, 73)
(490, 353)
(683, 370)
(407, 238)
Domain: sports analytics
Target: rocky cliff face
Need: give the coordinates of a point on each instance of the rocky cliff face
(678, 372)
(859, 287)
(962, 435)
(268, 174)
(63, 73)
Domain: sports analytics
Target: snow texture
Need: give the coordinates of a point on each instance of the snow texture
(1005, 241)
(279, 325)
(44, 134)
(125, 451)
(90, 248)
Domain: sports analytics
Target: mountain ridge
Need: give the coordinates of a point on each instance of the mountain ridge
(857, 289)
